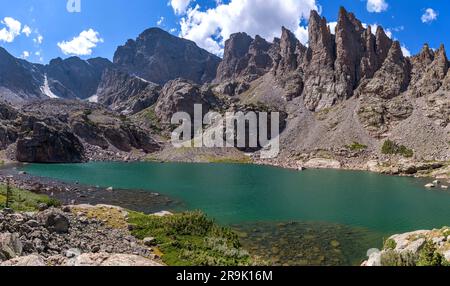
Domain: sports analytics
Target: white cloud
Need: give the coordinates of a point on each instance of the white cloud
(377, 6)
(82, 44)
(25, 55)
(210, 28)
(160, 21)
(180, 6)
(11, 31)
(405, 51)
(39, 55)
(26, 30)
(39, 39)
(429, 16)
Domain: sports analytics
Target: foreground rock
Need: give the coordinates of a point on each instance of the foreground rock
(81, 235)
(87, 259)
(418, 248)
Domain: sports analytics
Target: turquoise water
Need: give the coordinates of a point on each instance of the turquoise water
(247, 197)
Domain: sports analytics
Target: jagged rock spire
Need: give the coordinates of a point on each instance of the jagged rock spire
(383, 43)
(392, 78)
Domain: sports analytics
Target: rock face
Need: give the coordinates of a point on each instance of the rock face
(244, 57)
(125, 93)
(392, 78)
(320, 87)
(75, 78)
(180, 96)
(49, 144)
(158, 57)
(430, 69)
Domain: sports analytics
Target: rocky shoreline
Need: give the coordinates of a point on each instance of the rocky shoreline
(75, 193)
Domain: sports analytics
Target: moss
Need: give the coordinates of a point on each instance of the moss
(24, 201)
(191, 239)
(113, 217)
(392, 148)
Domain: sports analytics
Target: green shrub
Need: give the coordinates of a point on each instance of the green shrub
(22, 200)
(392, 148)
(390, 244)
(191, 239)
(355, 146)
(394, 258)
(428, 256)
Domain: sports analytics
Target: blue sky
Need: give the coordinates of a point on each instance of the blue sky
(47, 29)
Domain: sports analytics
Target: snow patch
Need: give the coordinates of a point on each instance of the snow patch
(93, 99)
(46, 89)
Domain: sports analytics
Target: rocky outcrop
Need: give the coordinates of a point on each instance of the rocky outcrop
(49, 144)
(429, 71)
(126, 94)
(180, 96)
(159, 57)
(244, 58)
(417, 248)
(319, 91)
(63, 131)
(392, 78)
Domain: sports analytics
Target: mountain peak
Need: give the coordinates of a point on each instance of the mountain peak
(158, 56)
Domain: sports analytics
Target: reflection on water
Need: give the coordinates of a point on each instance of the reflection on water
(307, 243)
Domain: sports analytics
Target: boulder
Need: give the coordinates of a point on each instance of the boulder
(105, 259)
(55, 221)
(322, 163)
(49, 144)
(25, 261)
(149, 241)
(10, 246)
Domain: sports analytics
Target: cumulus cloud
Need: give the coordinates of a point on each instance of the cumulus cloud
(81, 45)
(180, 6)
(39, 39)
(11, 31)
(405, 51)
(25, 55)
(26, 30)
(210, 28)
(160, 21)
(377, 6)
(429, 16)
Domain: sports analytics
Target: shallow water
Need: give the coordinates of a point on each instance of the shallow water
(277, 208)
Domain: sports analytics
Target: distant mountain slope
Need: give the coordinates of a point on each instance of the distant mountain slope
(71, 78)
(75, 78)
(19, 79)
